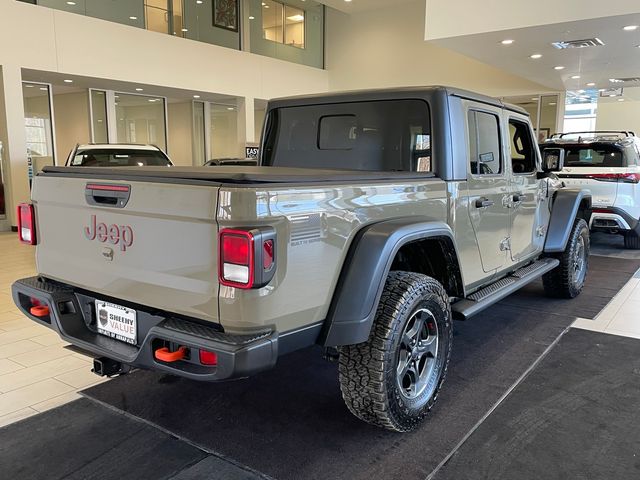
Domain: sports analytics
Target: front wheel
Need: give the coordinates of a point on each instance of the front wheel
(567, 279)
(392, 380)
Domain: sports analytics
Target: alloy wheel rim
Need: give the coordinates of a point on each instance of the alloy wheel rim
(417, 354)
(579, 262)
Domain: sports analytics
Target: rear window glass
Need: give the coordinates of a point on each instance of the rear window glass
(391, 135)
(119, 158)
(593, 156)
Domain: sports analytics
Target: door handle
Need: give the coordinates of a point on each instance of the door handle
(518, 197)
(484, 203)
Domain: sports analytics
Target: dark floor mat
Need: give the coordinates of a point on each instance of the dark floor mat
(291, 422)
(85, 441)
(574, 417)
(606, 277)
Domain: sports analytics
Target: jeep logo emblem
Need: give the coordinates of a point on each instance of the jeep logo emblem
(119, 235)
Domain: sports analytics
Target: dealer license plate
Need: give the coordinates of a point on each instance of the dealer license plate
(117, 322)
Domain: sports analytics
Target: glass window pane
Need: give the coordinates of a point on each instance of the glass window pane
(157, 19)
(198, 134)
(294, 30)
(99, 118)
(484, 143)
(272, 21)
(38, 126)
(224, 132)
(140, 119)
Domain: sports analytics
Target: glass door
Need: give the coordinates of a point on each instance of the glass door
(39, 126)
(99, 122)
(140, 119)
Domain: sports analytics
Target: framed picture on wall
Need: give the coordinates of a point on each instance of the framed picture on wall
(543, 134)
(225, 14)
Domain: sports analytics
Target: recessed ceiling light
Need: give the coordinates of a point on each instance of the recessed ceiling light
(575, 77)
(29, 86)
(185, 29)
(559, 67)
(630, 28)
(591, 84)
(66, 80)
(552, 103)
(508, 41)
(535, 56)
(133, 18)
(199, 2)
(615, 80)
(621, 99)
(196, 96)
(139, 89)
(230, 108)
(44, 88)
(252, 17)
(347, 1)
(534, 98)
(71, 3)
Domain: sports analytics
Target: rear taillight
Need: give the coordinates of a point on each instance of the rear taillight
(26, 224)
(208, 358)
(247, 257)
(616, 177)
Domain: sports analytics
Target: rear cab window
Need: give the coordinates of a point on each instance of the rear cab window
(386, 135)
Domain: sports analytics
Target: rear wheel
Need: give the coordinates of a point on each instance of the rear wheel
(392, 380)
(632, 240)
(567, 279)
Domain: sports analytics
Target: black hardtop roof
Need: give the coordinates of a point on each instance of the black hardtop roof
(394, 93)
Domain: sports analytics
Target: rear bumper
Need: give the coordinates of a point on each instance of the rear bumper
(613, 218)
(71, 314)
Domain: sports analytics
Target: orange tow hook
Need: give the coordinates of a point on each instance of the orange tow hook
(163, 354)
(39, 311)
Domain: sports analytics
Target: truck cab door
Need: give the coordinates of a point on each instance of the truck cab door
(526, 192)
(488, 187)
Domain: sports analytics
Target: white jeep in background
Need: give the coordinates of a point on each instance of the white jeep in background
(607, 164)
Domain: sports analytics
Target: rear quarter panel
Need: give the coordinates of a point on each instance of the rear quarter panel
(315, 227)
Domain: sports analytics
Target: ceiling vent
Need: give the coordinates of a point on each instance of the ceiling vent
(589, 42)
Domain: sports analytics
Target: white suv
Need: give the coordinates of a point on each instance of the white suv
(117, 155)
(608, 164)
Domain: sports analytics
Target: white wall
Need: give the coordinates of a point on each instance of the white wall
(71, 112)
(386, 47)
(618, 115)
(447, 18)
(180, 120)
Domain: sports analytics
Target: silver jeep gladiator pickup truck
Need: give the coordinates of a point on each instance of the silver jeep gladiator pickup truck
(373, 219)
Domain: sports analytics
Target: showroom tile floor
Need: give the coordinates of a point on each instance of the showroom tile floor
(37, 373)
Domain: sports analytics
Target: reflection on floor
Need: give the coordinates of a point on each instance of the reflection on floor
(37, 373)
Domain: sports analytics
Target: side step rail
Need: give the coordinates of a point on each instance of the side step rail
(478, 301)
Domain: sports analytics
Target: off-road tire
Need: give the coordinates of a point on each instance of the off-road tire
(561, 282)
(631, 241)
(367, 371)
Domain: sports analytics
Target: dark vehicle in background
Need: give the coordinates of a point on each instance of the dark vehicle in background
(117, 155)
(607, 163)
(236, 162)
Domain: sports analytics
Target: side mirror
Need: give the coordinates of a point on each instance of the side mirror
(552, 159)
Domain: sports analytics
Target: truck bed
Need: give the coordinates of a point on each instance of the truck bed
(232, 174)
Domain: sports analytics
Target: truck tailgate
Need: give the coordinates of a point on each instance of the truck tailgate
(158, 250)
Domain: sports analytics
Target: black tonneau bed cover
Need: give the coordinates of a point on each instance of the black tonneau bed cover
(230, 174)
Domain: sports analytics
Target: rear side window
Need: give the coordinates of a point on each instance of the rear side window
(119, 158)
(390, 135)
(485, 156)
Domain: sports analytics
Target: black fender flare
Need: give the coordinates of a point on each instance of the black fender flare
(364, 272)
(565, 207)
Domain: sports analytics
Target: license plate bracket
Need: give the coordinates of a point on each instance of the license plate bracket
(117, 322)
